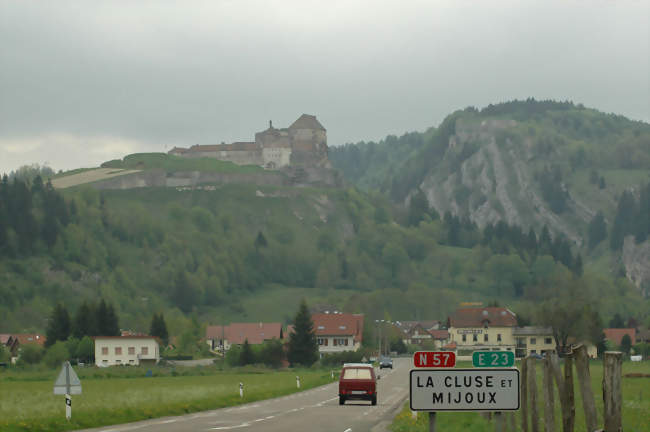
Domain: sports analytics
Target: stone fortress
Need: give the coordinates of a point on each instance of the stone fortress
(303, 144)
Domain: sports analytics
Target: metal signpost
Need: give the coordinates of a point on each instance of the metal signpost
(493, 359)
(67, 384)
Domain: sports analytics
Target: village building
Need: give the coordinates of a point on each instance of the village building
(126, 350)
(615, 335)
(533, 340)
(482, 328)
(338, 332)
(224, 337)
(304, 143)
(415, 333)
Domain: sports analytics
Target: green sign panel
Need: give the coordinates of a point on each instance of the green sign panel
(493, 358)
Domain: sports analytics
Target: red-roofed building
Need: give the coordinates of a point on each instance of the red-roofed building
(483, 328)
(219, 337)
(29, 338)
(337, 332)
(615, 335)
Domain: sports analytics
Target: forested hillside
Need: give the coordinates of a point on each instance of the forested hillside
(242, 253)
(581, 173)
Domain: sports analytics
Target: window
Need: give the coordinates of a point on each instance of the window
(131, 350)
(105, 361)
(485, 337)
(464, 338)
(533, 341)
(533, 351)
(346, 342)
(104, 351)
(144, 350)
(118, 350)
(498, 337)
(548, 341)
(118, 361)
(357, 373)
(475, 337)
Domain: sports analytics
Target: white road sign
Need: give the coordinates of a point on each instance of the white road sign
(67, 382)
(464, 389)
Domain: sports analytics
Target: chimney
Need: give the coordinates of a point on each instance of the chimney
(270, 124)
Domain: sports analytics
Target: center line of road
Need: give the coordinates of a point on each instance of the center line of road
(348, 430)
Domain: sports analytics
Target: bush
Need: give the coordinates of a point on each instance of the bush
(85, 351)
(337, 359)
(31, 354)
(56, 354)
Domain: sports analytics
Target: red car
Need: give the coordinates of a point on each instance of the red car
(357, 382)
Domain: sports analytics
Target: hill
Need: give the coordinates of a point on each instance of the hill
(527, 163)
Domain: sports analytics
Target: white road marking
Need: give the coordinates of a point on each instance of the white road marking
(231, 427)
(348, 430)
(167, 421)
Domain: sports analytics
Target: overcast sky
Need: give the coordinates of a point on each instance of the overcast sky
(88, 81)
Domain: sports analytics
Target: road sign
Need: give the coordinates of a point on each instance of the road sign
(437, 359)
(493, 358)
(464, 389)
(67, 382)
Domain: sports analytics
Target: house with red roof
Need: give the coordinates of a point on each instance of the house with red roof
(615, 335)
(482, 328)
(223, 337)
(338, 332)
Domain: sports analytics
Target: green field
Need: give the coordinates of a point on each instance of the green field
(636, 407)
(120, 396)
(170, 163)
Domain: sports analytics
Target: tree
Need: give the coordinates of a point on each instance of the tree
(5, 356)
(418, 208)
(616, 321)
(303, 347)
(113, 326)
(597, 230)
(626, 343)
(58, 327)
(84, 322)
(86, 350)
(260, 241)
(246, 355)
(159, 328)
(56, 354)
(272, 353)
(31, 353)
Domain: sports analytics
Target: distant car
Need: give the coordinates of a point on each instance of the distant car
(357, 382)
(385, 362)
(537, 356)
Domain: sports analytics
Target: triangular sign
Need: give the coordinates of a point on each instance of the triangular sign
(68, 381)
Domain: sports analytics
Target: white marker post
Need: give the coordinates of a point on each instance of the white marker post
(297, 381)
(67, 384)
(241, 389)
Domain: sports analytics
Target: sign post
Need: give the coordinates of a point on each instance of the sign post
(67, 384)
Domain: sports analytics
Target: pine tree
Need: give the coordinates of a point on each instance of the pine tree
(617, 321)
(159, 328)
(624, 222)
(626, 343)
(303, 347)
(113, 325)
(84, 322)
(260, 241)
(597, 230)
(58, 327)
(246, 356)
(102, 319)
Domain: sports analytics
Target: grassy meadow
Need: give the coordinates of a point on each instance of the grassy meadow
(120, 396)
(636, 407)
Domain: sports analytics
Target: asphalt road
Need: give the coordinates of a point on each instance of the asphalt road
(313, 410)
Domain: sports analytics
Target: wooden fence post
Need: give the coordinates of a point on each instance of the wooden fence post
(524, 394)
(549, 398)
(584, 379)
(499, 422)
(568, 410)
(612, 396)
(532, 392)
(513, 422)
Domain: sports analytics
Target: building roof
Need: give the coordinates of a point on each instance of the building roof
(439, 334)
(615, 335)
(237, 333)
(478, 317)
(339, 324)
(307, 121)
(126, 337)
(30, 338)
(177, 150)
(236, 146)
(4, 338)
(532, 331)
(427, 325)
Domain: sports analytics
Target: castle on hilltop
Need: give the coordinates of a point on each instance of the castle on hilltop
(304, 143)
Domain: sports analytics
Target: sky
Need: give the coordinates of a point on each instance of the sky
(82, 82)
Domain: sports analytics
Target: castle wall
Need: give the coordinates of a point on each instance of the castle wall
(276, 157)
(239, 157)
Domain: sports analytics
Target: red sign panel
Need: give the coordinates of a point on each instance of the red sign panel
(434, 359)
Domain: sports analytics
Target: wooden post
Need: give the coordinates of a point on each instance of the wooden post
(513, 422)
(569, 404)
(499, 424)
(532, 391)
(584, 379)
(432, 421)
(524, 394)
(549, 398)
(612, 396)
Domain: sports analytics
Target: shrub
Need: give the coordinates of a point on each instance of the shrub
(31, 354)
(56, 354)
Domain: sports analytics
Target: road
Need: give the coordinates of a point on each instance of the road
(314, 410)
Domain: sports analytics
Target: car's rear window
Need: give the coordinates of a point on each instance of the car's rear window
(357, 373)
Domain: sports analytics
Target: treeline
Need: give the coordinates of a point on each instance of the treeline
(32, 215)
(632, 218)
(90, 319)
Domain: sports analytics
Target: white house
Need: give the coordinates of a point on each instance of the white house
(337, 332)
(126, 350)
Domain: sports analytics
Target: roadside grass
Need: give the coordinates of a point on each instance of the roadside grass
(636, 406)
(29, 405)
